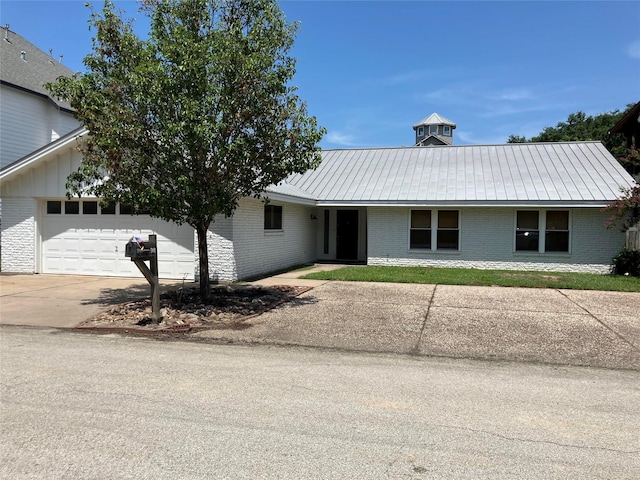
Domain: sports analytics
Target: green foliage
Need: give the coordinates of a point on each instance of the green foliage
(627, 262)
(469, 276)
(581, 127)
(625, 210)
(197, 116)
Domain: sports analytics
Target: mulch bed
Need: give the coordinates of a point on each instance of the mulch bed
(182, 310)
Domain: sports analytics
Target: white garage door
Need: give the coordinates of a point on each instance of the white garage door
(78, 237)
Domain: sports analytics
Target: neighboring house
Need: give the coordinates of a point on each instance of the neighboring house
(629, 126)
(29, 117)
(516, 206)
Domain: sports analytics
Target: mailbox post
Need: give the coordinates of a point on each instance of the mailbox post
(140, 251)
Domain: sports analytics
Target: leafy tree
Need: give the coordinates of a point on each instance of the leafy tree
(193, 118)
(581, 127)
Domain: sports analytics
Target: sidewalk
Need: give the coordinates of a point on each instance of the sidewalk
(568, 327)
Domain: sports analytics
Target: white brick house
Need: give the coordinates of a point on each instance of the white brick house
(516, 206)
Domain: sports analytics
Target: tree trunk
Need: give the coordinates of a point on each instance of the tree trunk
(203, 255)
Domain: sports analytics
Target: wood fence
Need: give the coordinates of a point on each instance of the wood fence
(633, 238)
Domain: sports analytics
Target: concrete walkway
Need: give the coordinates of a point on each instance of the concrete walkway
(570, 327)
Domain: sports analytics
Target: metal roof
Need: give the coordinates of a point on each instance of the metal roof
(578, 173)
(435, 119)
(32, 72)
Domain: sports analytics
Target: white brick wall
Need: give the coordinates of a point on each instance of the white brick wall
(222, 262)
(258, 251)
(18, 235)
(487, 241)
(239, 247)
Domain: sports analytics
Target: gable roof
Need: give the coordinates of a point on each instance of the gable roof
(435, 119)
(41, 154)
(34, 71)
(424, 141)
(526, 174)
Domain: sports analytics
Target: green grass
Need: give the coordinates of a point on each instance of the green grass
(468, 276)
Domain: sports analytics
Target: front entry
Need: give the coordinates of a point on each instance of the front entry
(347, 235)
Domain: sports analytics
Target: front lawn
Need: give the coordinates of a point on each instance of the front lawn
(468, 276)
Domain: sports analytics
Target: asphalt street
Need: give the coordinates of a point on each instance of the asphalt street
(87, 406)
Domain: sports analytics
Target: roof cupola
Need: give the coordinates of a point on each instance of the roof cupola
(434, 130)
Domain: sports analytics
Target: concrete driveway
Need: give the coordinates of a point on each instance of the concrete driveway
(571, 327)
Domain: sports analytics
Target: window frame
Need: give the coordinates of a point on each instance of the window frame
(543, 232)
(433, 129)
(448, 229)
(446, 130)
(269, 218)
(421, 229)
(421, 131)
(434, 230)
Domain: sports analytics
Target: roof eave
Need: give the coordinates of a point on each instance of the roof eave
(467, 203)
(31, 160)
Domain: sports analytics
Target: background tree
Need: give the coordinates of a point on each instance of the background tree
(197, 116)
(581, 127)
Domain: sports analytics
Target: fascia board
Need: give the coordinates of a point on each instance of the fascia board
(36, 157)
(516, 204)
(279, 197)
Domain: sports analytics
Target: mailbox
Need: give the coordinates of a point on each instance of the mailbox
(138, 249)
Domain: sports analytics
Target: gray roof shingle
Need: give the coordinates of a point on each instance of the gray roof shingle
(34, 71)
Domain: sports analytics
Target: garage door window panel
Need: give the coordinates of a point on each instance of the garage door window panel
(71, 208)
(90, 208)
(54, 207)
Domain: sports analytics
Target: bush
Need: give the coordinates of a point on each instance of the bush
(627, 262)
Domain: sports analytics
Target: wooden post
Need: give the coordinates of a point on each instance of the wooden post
(155, 285)
(151, 274)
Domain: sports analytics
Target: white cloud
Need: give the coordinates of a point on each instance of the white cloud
(512, 95)
(468, 137)
(341, 138)
(633, 50)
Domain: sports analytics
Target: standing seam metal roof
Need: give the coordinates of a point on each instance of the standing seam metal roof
(519, 172)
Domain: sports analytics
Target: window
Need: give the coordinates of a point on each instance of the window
(434, 230)
(90, 208)
(54, 206)
(272, 217)
(446, 130)
(557, 231)
(448, 232)
(527, 233)
(421, 131)
(555, 236)
(71, 208)
(109, 209)
(420, 231)
(126, 209)
(433, 129)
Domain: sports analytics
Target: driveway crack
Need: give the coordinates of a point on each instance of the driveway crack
(416, 348)
(620, 336)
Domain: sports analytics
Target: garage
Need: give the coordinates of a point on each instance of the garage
(80, 237)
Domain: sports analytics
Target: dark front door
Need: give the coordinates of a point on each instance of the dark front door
(347, 235)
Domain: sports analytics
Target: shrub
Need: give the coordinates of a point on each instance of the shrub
(627, 262)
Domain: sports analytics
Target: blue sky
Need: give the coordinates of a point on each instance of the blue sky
(369, 70)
